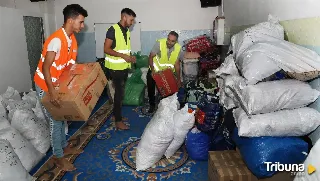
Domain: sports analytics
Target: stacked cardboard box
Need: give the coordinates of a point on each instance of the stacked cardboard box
(229, 166)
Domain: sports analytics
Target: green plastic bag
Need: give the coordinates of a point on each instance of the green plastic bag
(134, 95)
(142, 60)
(135, 77)
(134, 90)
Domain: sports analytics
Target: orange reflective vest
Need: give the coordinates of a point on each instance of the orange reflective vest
(66, 58)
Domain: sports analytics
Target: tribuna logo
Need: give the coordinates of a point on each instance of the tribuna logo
(277, 166)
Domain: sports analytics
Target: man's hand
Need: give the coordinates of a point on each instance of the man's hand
(54, 98)
(133, 58)
(129, 59)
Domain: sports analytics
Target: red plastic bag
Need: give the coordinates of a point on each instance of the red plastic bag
(199, 44)
(166, 82)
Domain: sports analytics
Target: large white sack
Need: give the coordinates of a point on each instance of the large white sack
(4, 123)
(230, 82)
(265, 31)
(228, 67)
(315, 135)
(39, 113)
(183, 122)
(171, 102)
(255, 66)
(296, 122)
(14, 105)
(10, 164)
(266, 97)
(313, 159)
(156, 137)
(10, 93)
(36, 131)
(31, 97)
(3, 112)
(28, 155)
(226, 101)
(287, 56)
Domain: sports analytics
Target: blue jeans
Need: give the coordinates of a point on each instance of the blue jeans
(57, 129)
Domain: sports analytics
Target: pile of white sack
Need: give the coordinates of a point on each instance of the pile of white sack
(24, 134)
(165, 133)
(286, 107)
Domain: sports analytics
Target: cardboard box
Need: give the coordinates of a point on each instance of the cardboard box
(229, 166)
(80, 87)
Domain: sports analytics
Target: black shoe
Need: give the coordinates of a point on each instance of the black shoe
(151, 109)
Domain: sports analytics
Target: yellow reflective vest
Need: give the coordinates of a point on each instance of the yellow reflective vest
(165, 62)
(118, 63)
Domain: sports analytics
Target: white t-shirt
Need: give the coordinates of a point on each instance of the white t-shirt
(55, 45)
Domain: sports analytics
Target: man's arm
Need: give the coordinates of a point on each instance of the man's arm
(155, 50)
(48, 61)
(53, 48)
(110, 37)
(177, 67)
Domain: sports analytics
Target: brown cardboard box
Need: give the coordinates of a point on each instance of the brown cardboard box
(229, 166)
(80, 87)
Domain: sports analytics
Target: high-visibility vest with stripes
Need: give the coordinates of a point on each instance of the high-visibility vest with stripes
(118, 63)
(66, 58)
(165, 62)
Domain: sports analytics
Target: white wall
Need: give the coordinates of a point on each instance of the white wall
(247, 12)
(154, 15)
(14, 69)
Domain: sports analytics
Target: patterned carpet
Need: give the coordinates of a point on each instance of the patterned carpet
(110, 154)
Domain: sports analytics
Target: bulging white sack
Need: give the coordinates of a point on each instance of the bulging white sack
(183, 122)
(255, 66)
(28, 155)
(225, 100)
(10, 164)
(4, 123)
(228, 67)
(14, 105)
(286, 55)
(265, 31)
(266, 97)
(157, 135)
(31, 97)
(39, 113)
(3, 112)
(36, 131)
(10, 93)
(296, 122)
(171, 102)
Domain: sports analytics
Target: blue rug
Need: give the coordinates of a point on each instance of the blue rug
(111, 155)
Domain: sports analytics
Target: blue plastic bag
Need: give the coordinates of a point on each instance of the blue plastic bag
(256, 151)
(211, 110)
(197, 144)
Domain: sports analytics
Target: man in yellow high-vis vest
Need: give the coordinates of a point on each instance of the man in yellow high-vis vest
(166, 53)
(117, 48)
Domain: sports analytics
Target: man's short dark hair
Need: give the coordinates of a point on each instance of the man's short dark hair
(174, 34)
(128, 11)
(73, 11)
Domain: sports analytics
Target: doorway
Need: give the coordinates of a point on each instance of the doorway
(35, 38)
